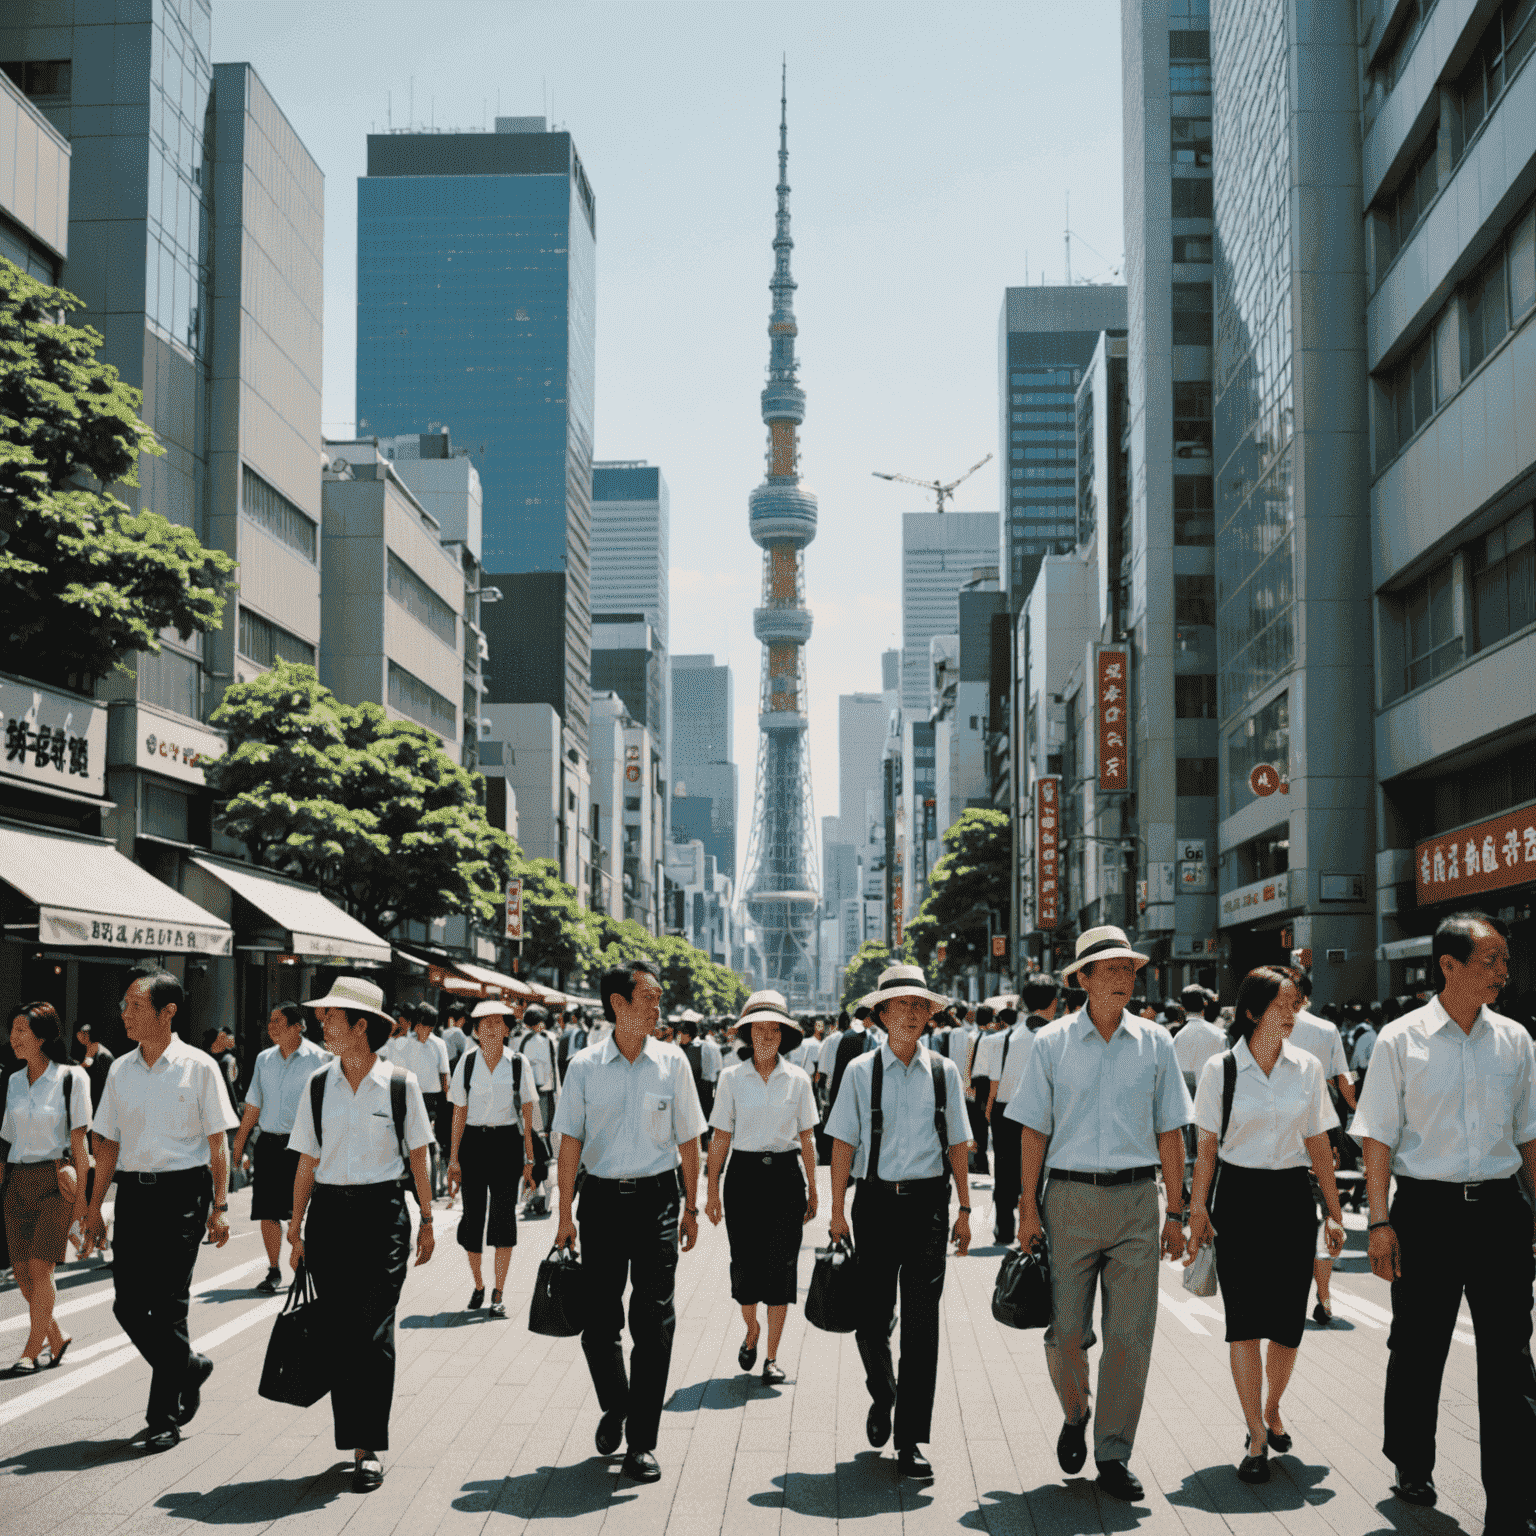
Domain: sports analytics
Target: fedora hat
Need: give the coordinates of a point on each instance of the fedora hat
(354, 993)
(1102, 944)
(492, 1005)
(901, 981)
(770, 1005)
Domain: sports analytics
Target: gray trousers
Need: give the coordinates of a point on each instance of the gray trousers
(1106, 1238)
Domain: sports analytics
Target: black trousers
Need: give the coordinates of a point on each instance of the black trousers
(901, 1240)
(1453, 1246)
(490, 1165)
(976, 1110)
(155, 1237)
(357, 1243)
(765, 1203)
(1007, 1171)
(630, 1238)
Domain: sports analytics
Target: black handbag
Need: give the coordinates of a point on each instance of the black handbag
(556, 1306)
(832, 1303)
(1021, 1298)
(297, 1367)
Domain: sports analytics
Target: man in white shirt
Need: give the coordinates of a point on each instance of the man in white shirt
(1040, 996)
(1193, 1046)
(277, 1082)
(538, 1050)
(1365, 1045)
(424, 1055)
(630, 1117)
(455, 1041)
(161, 1128)
(1449, 1111)
(1102, 1104)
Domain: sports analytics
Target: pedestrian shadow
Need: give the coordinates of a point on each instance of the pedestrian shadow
(68, 1280)
(233, 1294)
(859, 1489)
(1072, 1508)
(447, 1320)
(721, 1392)
(559, 1493)
(1338, 1325)
(260, 1502)
(1293, 1484)
(73, 1456)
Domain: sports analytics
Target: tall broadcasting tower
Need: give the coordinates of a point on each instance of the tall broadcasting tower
(782, 885)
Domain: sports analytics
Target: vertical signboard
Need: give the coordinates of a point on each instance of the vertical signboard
(1113, 708)
(514, 909)
(1047, 851)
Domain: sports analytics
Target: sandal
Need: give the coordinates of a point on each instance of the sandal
(57, 1359)
(26, 1366)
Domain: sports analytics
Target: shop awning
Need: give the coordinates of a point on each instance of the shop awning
(1406, 949)
(465, 979)
(509, 986)
(315, 926)
(88, 895)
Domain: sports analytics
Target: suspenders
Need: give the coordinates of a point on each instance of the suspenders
(877, 1118)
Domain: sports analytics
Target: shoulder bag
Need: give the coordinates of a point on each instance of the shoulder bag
(1200, 1272)
(295, 1370)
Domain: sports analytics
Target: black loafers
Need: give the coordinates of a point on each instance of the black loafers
(640, 1467)
(1415, 1490)
(610, 1433)
(271, 1285)
(877, 1425)
(476, 1299)
(911, 1462)
(773, 1374)
(153, 1440)
(1119, 1482)
(1072, 1446)
(1279, 1441)
(1254, 1469)
(746, 1356)
(199, 1370)
(367, 1474)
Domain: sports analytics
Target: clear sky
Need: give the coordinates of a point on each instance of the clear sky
(932, 146)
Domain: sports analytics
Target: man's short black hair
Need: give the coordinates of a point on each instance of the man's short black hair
(1074, 998)
(291, 1012)
(619, 981)
(162, 988)
(535, 1015)
(1038, 992)
(213, 1034)
(1193, 998)
(861, 1012)
(379, 1029)
(1457, 937)
(984, 1015)
(1302, 980)
(457, 1010)
(1212, 1009)
(1174, 1013)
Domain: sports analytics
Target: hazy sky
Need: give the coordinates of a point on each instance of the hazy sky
(932, 145)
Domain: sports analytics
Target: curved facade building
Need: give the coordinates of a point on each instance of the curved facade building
(782, 886)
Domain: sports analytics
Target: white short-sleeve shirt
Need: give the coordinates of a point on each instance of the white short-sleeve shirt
(1196, 1043)
(1321, 1039)
(989, 1054)
(162, 1116)
(489, 1096)
(763, 1116)
(358, 1144)
(1272, 1115)
(909, 1146)
(36, 1123)
(540, 1055)
(1016, 1047)
(277, 1085)
(426, 1060)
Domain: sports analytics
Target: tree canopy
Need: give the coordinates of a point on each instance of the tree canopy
(970, 877)
(863, 971)
(84, 582)
(689, 978)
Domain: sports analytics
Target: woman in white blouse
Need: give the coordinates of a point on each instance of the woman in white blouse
(1265, 1221)
(47, 1112)
(493, 1093)
(764, 1116)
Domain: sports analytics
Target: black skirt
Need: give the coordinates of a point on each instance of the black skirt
(764, 1218)
(1266, 1235)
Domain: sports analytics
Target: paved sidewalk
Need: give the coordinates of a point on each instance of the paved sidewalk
(492, 1427)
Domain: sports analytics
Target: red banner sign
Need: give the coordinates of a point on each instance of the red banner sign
(1114, 718)
(1486, 857)
(1047, 851)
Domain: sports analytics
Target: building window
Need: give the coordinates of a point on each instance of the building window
(1195, 777)
(40, 77)
(426, 706)
(1194, 599)
(264, 643)
(1484, 313)
(1406, 402)
(271, 510)
(1398, 216)
(1504, 580)
(1194, 696)
(1191, 421)
(1265, 737)
(1191, 198)
(1189, 249)
(1381, 79)
(420, 601)
(1191, 314)
(1191, 145)
(1432, 626)
(1504, 44)
(1194, 517)
(170, 680)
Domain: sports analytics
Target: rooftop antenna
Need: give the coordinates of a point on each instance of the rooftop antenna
(943, 491)
(1067, 236)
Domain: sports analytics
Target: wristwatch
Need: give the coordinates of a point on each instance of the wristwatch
(691, 1210)
(966, 1209)
(221, 1207)
(1179, 1216)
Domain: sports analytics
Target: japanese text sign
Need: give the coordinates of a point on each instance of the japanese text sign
(1485, 857)
(1113, 713)
(514, 909)
(1047, 851)
(53, 740)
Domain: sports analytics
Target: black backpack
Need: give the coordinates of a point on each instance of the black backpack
(397, 1076)
(855, 1043)
(517, 1076)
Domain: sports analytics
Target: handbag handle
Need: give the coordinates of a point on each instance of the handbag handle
(302, 1290)
(562, 1256)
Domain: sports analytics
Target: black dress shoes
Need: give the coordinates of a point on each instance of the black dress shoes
(1414, 1490)
(367, 1473)
(746, 1356)
(610, 1433)
(1254, 1469)
(773, 1374)
(199, 1369)
(640, 1467)
(877, 1425)
(911, 1462)
(152, 1440)
(1119, 1482)
(1072, 1446)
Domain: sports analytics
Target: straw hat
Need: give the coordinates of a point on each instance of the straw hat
(492, 1005)
(901, 981)
(354, 993)
(1102, 944)
(770, 1005)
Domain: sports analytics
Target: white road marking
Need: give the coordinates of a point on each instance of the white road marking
(1185, 1307)
(96, 1298)
(1375, 1316)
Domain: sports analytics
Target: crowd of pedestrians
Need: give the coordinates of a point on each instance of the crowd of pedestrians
(1117, 1135)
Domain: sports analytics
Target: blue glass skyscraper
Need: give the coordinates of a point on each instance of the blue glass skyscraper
(476, 309)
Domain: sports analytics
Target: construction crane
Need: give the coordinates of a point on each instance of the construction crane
(942, 492)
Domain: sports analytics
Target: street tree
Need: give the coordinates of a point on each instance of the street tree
(863, 971)
(556, 933)
(85, 582)
(970, 879)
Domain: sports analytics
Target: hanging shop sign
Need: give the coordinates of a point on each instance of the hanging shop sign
(166, 745)
(1485, 857)
(1048, 851)
(514, 909)
(53, 740)
(1112, 708)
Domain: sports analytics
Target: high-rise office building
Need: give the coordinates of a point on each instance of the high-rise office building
(940, 553)
(476, 306)
(704, 774)
(34, 182)
(1045, 337)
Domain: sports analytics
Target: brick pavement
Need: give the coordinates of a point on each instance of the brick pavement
(492, 1425)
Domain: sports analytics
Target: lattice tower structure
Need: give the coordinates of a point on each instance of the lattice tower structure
(782, 887)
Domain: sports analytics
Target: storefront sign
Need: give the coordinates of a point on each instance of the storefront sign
(1487, 857)
(1048, 851)
(514, 909)
(1113, 708)
(58, 926)
(1260, 899)
(53, 740)
(164, 744)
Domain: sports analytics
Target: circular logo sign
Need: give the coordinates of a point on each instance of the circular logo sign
(1264, 780)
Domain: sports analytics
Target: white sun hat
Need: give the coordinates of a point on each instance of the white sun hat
(771, 1005)
(902, 981)
(354, 993)
(1102, 944)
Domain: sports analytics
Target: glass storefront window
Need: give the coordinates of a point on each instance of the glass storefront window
(1264, 737)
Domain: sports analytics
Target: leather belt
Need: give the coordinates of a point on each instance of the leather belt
(169, 1176)
(908, 1186)
(1105, 1180)
(359, 1191)
(1472, 1191)
(767, 1158)
(634, 1186)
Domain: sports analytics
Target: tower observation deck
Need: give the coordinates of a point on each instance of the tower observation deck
(782, 887)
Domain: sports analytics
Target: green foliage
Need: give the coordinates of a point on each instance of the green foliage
(971, 876)
(864, 970)
(689, 978)
(557, 934)
(84, 583)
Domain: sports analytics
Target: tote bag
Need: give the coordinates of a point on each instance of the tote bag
(297, 1367)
